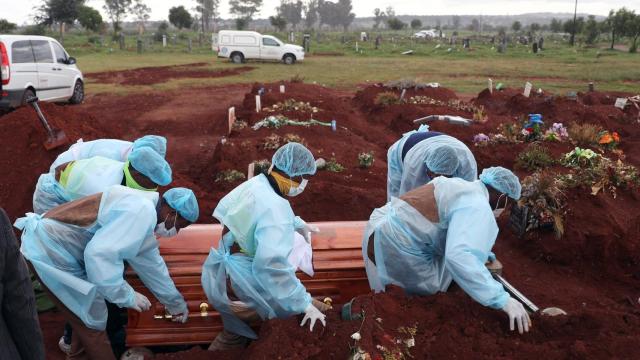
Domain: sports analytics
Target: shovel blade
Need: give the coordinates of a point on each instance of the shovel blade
(56, 139)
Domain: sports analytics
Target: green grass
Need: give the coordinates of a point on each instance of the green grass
(559, 68)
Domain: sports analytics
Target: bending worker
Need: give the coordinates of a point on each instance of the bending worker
(113, 149)
(78, 251)
(422, 155)
(145, 170)
(441, 232)
(258, 234)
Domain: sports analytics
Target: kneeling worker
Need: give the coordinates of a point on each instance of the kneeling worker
(443, 231)
(78, 251)
(258, 236)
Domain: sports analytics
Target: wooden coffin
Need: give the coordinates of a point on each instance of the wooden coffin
(339, 274)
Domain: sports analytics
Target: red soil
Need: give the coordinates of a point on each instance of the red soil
(593, 272)
(155, 75)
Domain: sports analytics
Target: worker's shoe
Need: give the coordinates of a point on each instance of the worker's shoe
(64, 347)
(228, 341)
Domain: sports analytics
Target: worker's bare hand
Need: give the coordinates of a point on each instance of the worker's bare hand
(517, 315)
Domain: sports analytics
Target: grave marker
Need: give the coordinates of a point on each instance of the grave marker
(232, 118)
(527, 89)
(490, 86)
(258, 104)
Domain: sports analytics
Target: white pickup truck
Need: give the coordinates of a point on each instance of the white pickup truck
(240, 46)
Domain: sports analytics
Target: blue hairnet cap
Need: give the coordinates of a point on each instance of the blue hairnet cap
(443, 160)
(502, 180)
(155, 142)
(294, 159)
(184, 201)
(151, 165)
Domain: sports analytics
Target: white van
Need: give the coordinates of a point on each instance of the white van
(37, 66)
(240, 46)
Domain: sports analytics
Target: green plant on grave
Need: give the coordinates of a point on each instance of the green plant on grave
(480, 115)
(287, 138)
(334, 166)
(543, 193)
(387, 98)
(230, 176)
(584, 134)
(606, 175)
(366, 159)
(271, 142)
(534, 157)
(580, 158)
(261, 166)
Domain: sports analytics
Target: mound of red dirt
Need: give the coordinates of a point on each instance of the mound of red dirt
(155, 75)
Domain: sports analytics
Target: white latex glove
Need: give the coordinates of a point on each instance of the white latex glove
(516, 312)
(140, 302)
(183, 317)
(312, 314)
(306, 231)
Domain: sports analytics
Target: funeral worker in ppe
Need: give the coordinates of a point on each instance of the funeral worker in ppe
(78, 252)
(144, 170)
(442, 232)
(421, 155)
(249, 276)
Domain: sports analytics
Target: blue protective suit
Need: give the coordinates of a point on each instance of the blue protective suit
(404, 176)
(88, 177)
(113, 149)
(423, 257)
(262, 223)
(83, 266)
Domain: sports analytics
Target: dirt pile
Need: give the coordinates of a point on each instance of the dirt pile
(156, 75)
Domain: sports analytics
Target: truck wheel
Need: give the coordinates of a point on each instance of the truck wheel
(78, 93)
(28, 94)
(237, 58)
(289, 59)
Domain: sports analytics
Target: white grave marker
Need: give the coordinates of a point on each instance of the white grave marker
(232, 118)
(621, 103)
(527, 89)
(490, 85)
(282, 89)
(164, 40)
(251, 170)
(258, 104)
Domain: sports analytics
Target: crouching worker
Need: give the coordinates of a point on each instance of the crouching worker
(443, 231)
(78, 251)
(258, 236)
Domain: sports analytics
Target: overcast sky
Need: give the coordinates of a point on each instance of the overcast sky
(20, 11)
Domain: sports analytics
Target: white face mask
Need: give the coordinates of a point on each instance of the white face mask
(498, 212)
(161, 229)
(298, 190)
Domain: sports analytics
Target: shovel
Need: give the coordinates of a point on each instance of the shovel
(55, 137)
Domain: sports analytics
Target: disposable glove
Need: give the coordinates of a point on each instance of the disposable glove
(312, 314)
(183, 317)
(306, 231)
(140, 302)
(516, 312)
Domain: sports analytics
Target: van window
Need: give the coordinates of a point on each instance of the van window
(42, 51)
(244, 40)
(269, 42)
(225, 39)
(21, 52)
(61, 56)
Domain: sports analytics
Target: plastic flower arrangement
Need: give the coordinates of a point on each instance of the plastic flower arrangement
(609, 140)
(481, 140)
(579, 157)
(533, 129)
(557, 132)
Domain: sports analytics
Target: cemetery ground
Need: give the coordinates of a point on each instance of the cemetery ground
(591, 271)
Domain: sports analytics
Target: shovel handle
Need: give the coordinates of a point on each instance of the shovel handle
(34, 102)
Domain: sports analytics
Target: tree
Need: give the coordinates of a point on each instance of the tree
(89, 18)
(336, 14)
(616, 23)
(475, 25)
(209, 10)
(117, 11)
(278, 22)
(244, 9)
(456, 22)
(61, 12)
(534, 27)
(141, 12)
(555, 26)
(632, 30)
(7, 27)
(516, 26)
(378, 17)
(345, 15)
(395, 24)
(568, 26)
(242, 23)
(180, 17)
(591, 30)
(290, 11)
(416, 24)
(310, 13)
